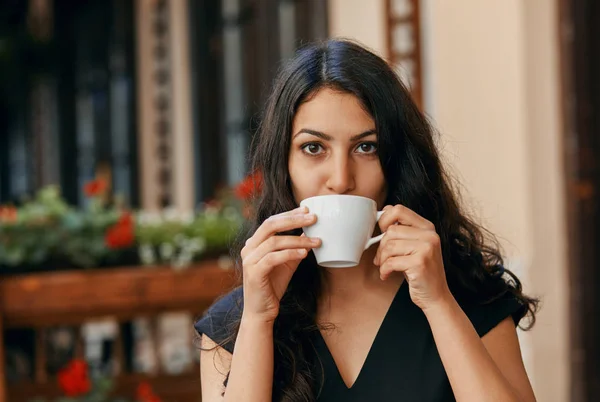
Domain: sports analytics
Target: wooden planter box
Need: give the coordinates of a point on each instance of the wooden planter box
(73, 297)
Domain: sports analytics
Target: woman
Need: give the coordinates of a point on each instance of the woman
(429, 314)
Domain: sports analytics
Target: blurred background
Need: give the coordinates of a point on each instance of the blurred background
(124, 133)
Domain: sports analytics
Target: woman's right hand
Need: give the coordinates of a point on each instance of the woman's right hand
(269, 261)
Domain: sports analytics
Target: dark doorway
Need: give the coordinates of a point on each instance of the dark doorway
(580, 57)
(67, 97)
(236, 48)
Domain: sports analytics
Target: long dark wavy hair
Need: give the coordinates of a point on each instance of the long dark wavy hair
(414, 176)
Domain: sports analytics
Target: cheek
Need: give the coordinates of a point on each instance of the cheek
(373, 184)
(306, 180)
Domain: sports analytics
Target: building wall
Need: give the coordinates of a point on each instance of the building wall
(360, 20)
(492, 90)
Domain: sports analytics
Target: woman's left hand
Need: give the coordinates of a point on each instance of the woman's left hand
(412, 246)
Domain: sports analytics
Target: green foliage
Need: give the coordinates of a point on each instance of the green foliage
(47, 232)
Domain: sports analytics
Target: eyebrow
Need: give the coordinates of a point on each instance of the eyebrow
(326, 137)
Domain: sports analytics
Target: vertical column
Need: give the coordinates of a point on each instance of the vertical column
(546, 352)
(182, 139)
(146, 128)
(404, 43)
(164, 105)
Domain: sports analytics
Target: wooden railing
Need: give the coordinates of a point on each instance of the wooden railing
(44, 300)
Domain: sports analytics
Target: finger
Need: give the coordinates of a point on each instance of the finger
(276, 258)
(258, 237)
(279, 243)
(401, 232)
(404, 216)
(298, 210)
(396, 248)
(251, 242)
(407, 233)
(395, 264)
(280, 223)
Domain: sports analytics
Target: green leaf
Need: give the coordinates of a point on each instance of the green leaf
(103, 385)
(48, 229)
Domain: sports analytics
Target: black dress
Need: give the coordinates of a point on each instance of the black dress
(403, 363)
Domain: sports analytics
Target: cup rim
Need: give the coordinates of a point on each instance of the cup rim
(339, 195)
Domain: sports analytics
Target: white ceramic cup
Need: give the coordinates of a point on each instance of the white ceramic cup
(345, 224)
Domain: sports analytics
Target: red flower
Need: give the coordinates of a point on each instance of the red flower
(250, 186)
(95, 187)
(8, 214)
(73, 379)
(145, 394)
(122, 233)
(126, 219)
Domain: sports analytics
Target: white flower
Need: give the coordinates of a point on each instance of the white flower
(149, 218)
(171, 214)
(187, 217)
(211, 213)
(147, 255)
(196, 245)
(166, 251)
(180, 240)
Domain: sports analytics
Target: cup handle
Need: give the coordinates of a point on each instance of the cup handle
(375, 239)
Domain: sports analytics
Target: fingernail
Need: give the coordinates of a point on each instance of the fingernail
(315, 240)
(309, 216)
(301, 251)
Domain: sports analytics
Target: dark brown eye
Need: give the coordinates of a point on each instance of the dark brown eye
(312, 148)
(367, 148)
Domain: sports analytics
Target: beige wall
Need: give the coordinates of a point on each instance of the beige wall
(491, 88)
(477, 81)
(361, 20)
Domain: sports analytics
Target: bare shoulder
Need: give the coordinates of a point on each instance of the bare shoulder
(502, 343)
(215, 363)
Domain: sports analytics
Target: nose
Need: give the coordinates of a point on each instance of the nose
(340, 178)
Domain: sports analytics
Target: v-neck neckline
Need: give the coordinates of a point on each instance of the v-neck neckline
(330, 360)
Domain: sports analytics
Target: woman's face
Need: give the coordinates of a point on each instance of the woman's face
(334, 149)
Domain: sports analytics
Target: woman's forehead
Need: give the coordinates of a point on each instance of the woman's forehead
(333, 113)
